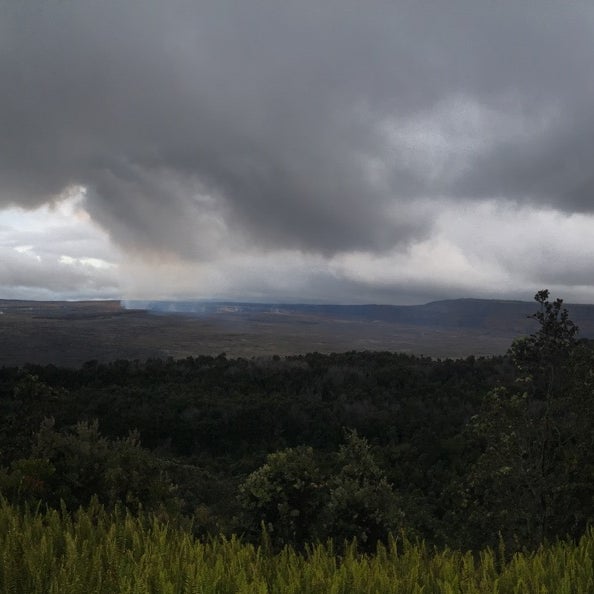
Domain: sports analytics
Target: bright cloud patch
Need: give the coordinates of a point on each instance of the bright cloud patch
(55, 252)
(90, 262)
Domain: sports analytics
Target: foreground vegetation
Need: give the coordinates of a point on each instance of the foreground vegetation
(93, 551)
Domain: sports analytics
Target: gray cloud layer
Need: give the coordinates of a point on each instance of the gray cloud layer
(197, 125)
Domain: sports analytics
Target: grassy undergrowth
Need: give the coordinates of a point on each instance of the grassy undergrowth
(94, 551)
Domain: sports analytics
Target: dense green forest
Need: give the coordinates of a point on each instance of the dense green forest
(465, 454)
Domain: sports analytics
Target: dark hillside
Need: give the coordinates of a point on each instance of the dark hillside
(477, 314)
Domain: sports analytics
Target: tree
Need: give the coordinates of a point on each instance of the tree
(86, 464)
(286, 495)
(299, 502)
(542, 358)
(525, 483)
(361, 504)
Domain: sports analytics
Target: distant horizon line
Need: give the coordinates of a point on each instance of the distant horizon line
(227, 301)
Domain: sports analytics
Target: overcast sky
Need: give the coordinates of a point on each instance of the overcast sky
(334, 151)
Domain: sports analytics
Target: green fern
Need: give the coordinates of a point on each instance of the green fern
(93, 551)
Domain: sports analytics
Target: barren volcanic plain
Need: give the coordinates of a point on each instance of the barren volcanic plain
(71, 333)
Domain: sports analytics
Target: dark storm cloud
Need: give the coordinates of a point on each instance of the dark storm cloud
(196, 123)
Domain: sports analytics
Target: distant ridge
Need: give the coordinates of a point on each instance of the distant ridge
(468, 313)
